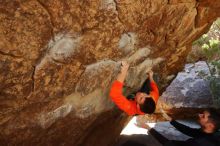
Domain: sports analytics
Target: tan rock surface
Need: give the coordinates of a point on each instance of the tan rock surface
(58, 59)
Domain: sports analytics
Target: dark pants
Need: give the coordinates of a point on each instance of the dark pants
(145, 88)
(164, 141)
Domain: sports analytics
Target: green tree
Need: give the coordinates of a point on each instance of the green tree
(210, 45)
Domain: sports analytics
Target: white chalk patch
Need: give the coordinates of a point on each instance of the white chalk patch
(47, 119)
(108, 5)
(99, 66)
(139, 54)
(94, 103)
(95, 76)
(63, 46)
(127, 42)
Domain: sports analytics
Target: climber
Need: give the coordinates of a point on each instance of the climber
(207, 135)
(144, 100)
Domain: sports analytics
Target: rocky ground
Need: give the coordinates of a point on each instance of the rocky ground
(133, 134)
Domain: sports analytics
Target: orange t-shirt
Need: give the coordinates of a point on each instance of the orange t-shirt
(130, 107)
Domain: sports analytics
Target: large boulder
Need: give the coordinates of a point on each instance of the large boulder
(58, 59)
(189, 91)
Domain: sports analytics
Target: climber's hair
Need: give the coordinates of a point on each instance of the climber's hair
(148, 106)
(214, 117)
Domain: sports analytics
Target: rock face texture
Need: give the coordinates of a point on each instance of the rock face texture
(58, 59)
(189, 90)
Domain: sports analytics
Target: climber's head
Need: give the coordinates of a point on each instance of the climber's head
(145, 102)
(209, 120)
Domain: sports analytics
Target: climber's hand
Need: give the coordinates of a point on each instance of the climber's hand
(165, 115)
(150, 74)
(124, 66)
(142, 124)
